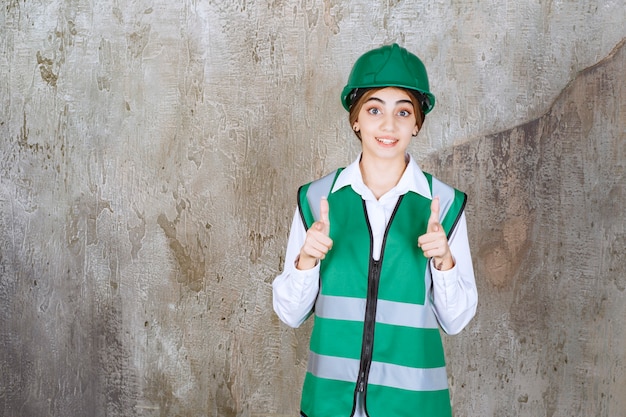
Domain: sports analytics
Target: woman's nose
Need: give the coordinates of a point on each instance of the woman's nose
(388, 123)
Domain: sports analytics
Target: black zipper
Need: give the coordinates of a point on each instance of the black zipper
(373, 280)
(369, 323)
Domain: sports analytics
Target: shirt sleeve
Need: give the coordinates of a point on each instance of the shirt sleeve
(455, 297)
(294, 291)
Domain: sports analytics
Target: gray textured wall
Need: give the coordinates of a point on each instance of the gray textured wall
(149, 157)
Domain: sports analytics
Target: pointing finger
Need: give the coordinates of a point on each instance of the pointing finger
(324, 218)
(433, 220)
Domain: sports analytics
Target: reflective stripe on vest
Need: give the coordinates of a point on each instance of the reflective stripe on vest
(319, 189)
(387, 312)
(452, 203)
(386, 374)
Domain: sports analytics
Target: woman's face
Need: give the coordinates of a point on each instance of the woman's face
(386, 122)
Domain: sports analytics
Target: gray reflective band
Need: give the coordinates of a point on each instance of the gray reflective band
(405, 314)
(387, 312)
(446, 197)
(331, 367)
(403, 377)
(428, 278)
(385, 374)
(340, 308)
(317, 190)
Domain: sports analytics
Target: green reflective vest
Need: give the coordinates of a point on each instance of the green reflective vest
(374, 330)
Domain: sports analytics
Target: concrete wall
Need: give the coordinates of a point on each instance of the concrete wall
(149, 157)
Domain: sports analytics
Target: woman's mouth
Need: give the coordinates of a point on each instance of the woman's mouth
(386, 141)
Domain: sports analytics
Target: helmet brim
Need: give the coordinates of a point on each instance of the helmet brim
(347, 90)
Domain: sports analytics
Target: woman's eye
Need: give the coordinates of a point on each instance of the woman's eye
(404, 113)
(373, 110)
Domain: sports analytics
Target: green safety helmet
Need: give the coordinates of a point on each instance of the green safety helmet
(389, 66)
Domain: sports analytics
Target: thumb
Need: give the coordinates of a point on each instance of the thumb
(324, 219)
(433, 220)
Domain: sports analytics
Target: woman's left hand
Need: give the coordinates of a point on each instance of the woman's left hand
(434, 242)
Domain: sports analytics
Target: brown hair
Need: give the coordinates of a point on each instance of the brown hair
(362, 97)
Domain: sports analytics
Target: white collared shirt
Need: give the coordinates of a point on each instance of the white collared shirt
(454, 291)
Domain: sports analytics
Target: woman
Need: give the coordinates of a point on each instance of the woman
(378, 253)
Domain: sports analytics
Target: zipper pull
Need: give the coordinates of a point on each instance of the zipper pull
(361, 382)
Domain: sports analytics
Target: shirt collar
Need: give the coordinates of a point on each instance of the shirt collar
(413, 179)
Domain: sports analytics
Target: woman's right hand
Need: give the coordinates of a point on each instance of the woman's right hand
(317, 242)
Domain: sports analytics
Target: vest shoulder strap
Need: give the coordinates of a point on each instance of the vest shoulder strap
(309, 196)
(452, 203)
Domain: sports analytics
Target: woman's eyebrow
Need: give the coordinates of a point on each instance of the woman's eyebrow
(407, 101)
